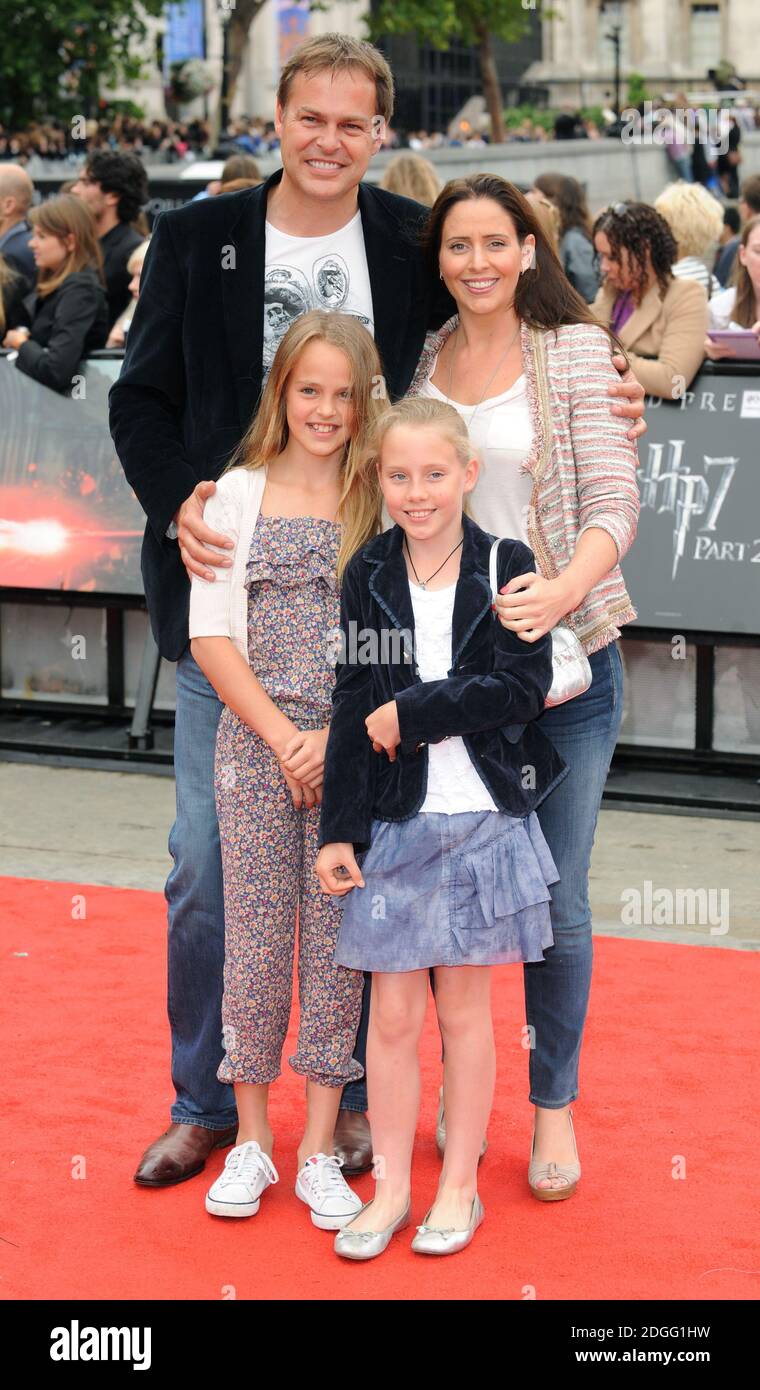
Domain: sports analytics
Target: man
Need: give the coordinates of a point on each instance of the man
(191, 381)
(114, 187)
(728, 162)
(749, 206)
(16, 194)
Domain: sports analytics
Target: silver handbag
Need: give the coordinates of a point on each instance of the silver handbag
(571, 669)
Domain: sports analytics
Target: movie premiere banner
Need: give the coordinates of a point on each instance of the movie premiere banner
(68, 518)
(69, 521)
(695, 563)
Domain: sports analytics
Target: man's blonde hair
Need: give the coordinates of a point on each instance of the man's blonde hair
(337, 53)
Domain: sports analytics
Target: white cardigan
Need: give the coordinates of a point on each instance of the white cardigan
(219, 607)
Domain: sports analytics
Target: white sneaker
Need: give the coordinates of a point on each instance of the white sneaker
(237, 1191)
(322, 1186)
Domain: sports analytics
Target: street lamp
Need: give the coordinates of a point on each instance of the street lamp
(224, 10)
(612, 12)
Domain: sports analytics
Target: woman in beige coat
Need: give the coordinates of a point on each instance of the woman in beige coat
(661, 321)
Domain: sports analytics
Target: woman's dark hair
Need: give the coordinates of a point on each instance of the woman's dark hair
(639, 228)
(544, 297)
(123, 174)
(731, 218)
(569, 199)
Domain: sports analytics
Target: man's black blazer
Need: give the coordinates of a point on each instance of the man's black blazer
(192, 371)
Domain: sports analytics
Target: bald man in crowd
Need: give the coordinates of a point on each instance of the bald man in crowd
(16, 194)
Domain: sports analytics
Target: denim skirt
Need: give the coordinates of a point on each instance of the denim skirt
(465, 889)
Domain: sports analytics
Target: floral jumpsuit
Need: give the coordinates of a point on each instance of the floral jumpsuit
(268, 845)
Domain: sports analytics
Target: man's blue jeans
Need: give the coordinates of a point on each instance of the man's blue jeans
(584, 732)
(196, 919)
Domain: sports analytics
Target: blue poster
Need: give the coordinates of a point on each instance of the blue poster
(185, 35)
(292, 27)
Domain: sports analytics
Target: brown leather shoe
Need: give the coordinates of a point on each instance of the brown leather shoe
(179, 1153)
(352, 1141)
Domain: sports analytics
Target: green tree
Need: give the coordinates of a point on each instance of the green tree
(56, 54)
(475, 22)
(637, 89)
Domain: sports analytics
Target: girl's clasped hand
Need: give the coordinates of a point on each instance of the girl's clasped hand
(302, 761)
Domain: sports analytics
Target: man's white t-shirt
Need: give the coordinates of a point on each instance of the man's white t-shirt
(313, 272)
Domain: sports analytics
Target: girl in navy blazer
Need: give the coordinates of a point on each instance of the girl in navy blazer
(433, 770)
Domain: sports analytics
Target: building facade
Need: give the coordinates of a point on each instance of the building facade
(672, 43)
(566, 59)
(431, 85)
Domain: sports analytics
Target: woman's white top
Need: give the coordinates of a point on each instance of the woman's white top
(501, 431)
(453, 784)
(721, 307)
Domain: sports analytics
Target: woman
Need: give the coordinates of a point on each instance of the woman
(12, 286)
(528, 368)
(548, 215)
(67, 315)
(661, 321)
(695, 218)
(413, 177)
(576, 250)
(118, 335)
(739, 305)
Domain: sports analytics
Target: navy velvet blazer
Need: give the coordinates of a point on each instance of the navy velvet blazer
(495, 689)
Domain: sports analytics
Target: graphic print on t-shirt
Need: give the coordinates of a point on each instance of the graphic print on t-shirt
(303, 273)
(288, 294)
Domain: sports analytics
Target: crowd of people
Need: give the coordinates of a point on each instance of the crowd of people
(168, 140)
(164, 140)
(70, 266)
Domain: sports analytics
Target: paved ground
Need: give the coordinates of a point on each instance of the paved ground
(85, 826)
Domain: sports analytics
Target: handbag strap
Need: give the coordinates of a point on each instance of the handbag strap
(492, 572)
(494, 580)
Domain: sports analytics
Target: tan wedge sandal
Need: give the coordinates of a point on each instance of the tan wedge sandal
(569, 1171)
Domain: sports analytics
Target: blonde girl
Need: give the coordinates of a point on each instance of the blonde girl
(296, 506)
(425, 782)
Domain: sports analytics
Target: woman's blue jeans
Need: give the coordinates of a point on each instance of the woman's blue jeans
(584, 731)
(195, 899)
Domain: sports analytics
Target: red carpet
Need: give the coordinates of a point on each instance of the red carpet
(668, 1070)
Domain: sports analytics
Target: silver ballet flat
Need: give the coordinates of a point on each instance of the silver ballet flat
(440, 1130)
(437, 1240)
(365, 1245)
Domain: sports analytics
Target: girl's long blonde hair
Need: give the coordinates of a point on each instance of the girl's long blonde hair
(424, 412)
(360, 506)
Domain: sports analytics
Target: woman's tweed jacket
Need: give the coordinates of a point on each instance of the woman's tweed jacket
(582, 464)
